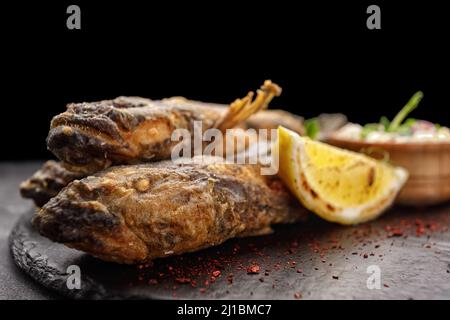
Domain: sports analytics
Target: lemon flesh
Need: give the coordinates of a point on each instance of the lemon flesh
(339, 185)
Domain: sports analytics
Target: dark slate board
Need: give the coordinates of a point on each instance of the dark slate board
(333, 262)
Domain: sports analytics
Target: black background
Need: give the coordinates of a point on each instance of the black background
(321, 53)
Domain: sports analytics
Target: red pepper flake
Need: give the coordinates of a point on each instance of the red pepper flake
(216, 273)
(395, 232)
(377, 246)
(335, 277)
(420, 230)
(297, 295)
(354, 253)
(261, 279)
(253, 269)
(183, 280)
(202, 290)
(299, 270)
(385, 285)
(152, 281)
(433, 226)
(365, 255)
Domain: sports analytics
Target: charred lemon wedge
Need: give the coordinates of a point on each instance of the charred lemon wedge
(339, 185)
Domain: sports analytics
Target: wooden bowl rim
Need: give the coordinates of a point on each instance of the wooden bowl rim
(401, 146)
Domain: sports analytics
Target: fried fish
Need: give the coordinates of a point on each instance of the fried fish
(53, 176)
(134, 213)
(89, 137)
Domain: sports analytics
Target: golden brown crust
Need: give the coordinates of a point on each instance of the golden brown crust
(92, 136)
(129, 214)
(127, 130)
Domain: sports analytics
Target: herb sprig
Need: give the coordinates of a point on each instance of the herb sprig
(398, 124)
(312, 127)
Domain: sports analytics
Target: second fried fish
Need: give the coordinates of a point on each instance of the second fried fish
(129, 214)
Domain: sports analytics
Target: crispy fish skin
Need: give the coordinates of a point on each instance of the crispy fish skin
(47, 182)
(127, 130)
(129, 214)
(92, 136)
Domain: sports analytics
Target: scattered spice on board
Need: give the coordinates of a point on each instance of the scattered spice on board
(202, 270)
(183, 280)
(253, 269)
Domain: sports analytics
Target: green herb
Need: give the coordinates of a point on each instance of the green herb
(368, 128)
(409, 122)
(385, 122)
(312, 127)
(405, 129)
(410, 106)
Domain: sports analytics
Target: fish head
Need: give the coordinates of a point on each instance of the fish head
(87, 134)
(79, 219)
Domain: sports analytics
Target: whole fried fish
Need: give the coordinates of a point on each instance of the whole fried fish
(127, 130)
(129, 214)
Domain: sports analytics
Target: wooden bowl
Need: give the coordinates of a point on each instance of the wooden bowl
(428, 165)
